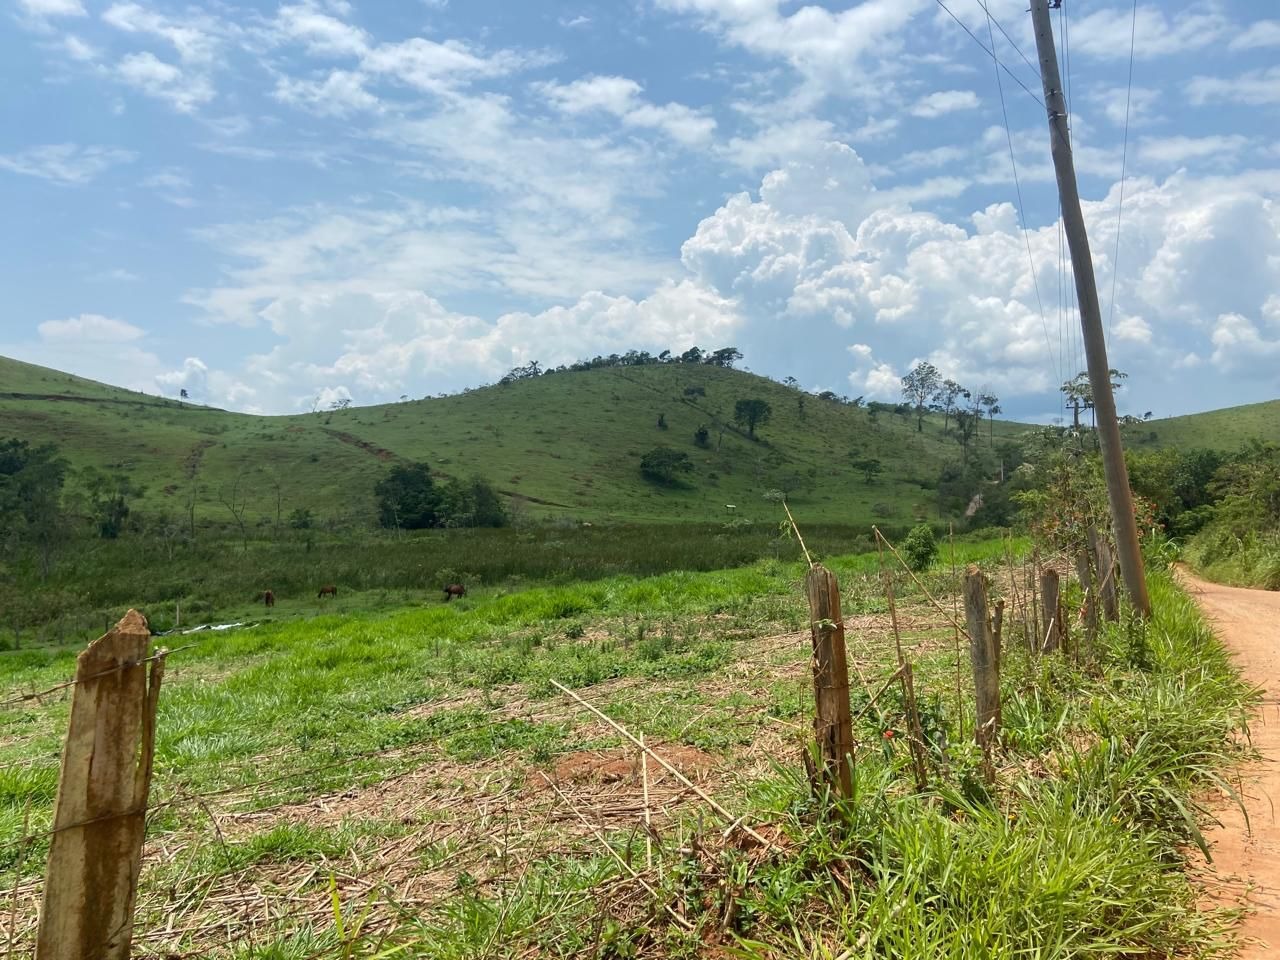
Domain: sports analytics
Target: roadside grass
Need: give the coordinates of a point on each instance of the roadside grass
(1249, 561)
(290, 731)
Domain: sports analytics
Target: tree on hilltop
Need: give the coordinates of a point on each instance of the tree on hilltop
(919, 387)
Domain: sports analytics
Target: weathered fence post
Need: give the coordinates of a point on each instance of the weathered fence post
(986, 672)
(100, 817)
(1107, 581)
(1084, 570)
(1049, 589)
(832, 722)
(997, 631)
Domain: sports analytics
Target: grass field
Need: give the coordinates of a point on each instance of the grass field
(412, 784)
(569, 444)
(1227, 430)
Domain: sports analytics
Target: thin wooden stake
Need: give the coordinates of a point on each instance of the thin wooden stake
(832, 724)
(648, 821)
(997, 630)
(986, 675)
(915, 729)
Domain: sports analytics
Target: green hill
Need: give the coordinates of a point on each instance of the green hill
(564, 444)
(1225, 430)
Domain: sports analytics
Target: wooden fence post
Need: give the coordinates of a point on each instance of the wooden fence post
(1049, 590)
(997, 631)
(1084, 570)
(986, 672)
(100, 817)
(832, 722)
(1107, 581)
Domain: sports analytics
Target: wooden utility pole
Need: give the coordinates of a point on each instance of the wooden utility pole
(1121, 500)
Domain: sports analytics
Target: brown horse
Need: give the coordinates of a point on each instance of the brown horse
(268, 598)
(327, 591)
(454, 590)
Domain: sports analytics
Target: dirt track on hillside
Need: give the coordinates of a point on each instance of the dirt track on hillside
(1246, 858)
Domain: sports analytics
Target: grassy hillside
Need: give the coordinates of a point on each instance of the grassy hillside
(568, 443)
(1226, 429)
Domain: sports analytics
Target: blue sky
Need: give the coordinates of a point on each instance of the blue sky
(274, 205)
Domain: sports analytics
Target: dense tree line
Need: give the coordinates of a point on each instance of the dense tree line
(724, 357)
(409, 498)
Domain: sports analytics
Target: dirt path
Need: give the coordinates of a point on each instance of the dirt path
(1247, 861)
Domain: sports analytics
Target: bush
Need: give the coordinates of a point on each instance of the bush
(664, 465)
(921, 548)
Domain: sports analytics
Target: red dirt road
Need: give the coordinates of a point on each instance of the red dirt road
(1246, 859)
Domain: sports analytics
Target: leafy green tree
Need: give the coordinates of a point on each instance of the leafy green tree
(869, 467)
(664, 466)
(470, 503)
(751, 413)
(109, 497)
(702, 436)
(920, 548)
(31, 481)
(989, 403)
(919, 387)
(946, 396)
(407, 497)
(724, 357)
(966, 426)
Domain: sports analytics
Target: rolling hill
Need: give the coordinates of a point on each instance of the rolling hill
(1225, 430)
(567, 444)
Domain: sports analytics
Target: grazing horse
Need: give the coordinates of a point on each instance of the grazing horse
(327, 591)
(268, 598)
(454, 590)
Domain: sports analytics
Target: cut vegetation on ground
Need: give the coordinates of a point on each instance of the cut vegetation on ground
(416, 785)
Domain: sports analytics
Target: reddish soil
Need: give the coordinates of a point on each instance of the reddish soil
(1246, 857)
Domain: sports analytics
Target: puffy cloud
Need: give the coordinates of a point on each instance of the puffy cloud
(943, 102)
(65, 163)
(183, 90)
(340, 94)
(834, 50)
(1106, 33)
(89, 328)
(376, 346)
(1253, 88)
(854, 258)
(45, 9)
(620, 97)
(1258, 35)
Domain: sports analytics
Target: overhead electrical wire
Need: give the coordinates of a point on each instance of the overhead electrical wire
(1124, 159)
(1017, 184)
(990, 52)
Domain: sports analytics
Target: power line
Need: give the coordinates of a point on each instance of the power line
(1013, 43)
(1124, 159)
(990, 52)
(1035, 280)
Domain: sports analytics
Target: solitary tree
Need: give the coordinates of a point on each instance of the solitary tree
(664, 465)
(183, 393)
(946, 396)
(991, 404)
(751, 413)
(1079, 392)
(919, 387)
(870, 468)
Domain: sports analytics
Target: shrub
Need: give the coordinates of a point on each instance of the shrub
(664, 465)
(921, 548)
